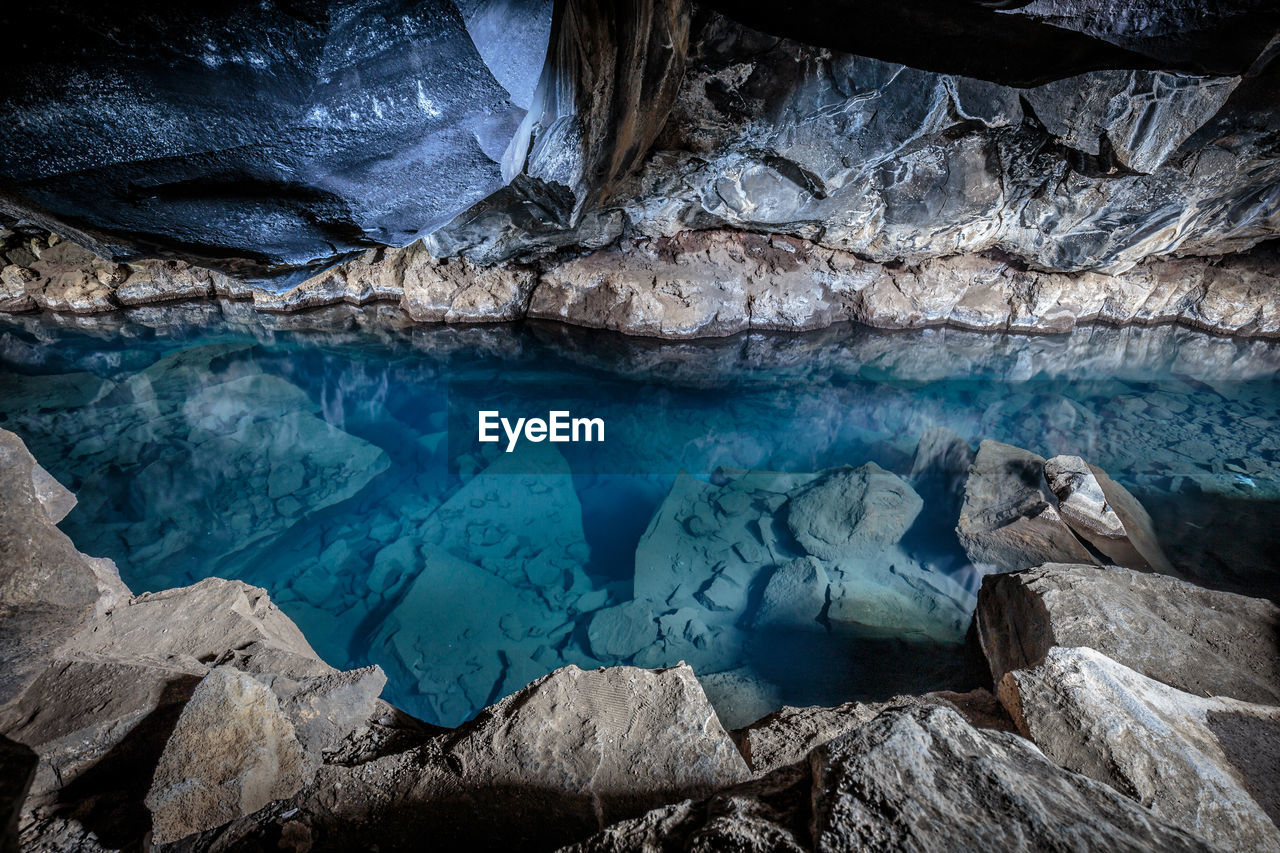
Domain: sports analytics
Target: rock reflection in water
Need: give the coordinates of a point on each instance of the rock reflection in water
(777, 510)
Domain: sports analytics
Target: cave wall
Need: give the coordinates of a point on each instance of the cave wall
(1066, 135)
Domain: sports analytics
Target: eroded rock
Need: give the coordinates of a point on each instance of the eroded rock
(1103, 513)
(852, 509)
(911, 778)
(231, 752)
(1205, 764)
(1008, 519)
(1197, 640)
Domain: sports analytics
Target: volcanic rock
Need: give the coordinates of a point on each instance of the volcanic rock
(1205, 764)
(1008, 520)
(852, 509)
(1103, 513)
(232, 751)
(917, 778)
(1194, 639)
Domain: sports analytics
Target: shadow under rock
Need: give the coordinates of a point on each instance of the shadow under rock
(1219, 541)
(108, 797)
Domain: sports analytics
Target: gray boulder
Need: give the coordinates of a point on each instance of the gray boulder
(1205, 764)
(795, 596)
(852, 509)
(48, 589)
(1007, 519)
(554, 762)
(943, 454)
(232, 751)
(912, 778)
(789, 734)
(1194, 639)
(1105, 514)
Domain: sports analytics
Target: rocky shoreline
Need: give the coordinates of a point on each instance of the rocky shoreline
(1131, 710)
(696, 284)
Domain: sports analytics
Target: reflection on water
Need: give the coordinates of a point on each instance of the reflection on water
(331, 458)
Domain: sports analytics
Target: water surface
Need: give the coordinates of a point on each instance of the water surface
(331, 458)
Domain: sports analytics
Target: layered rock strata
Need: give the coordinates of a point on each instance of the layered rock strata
(691, 285)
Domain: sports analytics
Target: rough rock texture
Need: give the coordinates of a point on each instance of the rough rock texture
(97, 680)
(17, 768)
(1103, 513)
(1008, 518)
(1207, 765)
(48, 589)
(289, 134)
(913, 778)
(557, 761)
(790, 734)
(1199, 641)
(696, 284)
(231, 752)
(852, 509)
(1083, 165)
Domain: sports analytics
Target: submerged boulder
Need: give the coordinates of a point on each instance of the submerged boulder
(795, 596)
(1205, 764)
(852, 509)
(1008, 520)
(1194, 639)
(1104, 514)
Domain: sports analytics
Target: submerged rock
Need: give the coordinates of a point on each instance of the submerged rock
(852, 509)
(1205, 764)
(1008, 520)
(795, 596)
(1194, 639)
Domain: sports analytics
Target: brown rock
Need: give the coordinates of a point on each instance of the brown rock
(1008, 520)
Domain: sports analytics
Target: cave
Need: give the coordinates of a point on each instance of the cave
(635, 426)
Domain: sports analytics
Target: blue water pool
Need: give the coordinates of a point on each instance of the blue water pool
(332, 458)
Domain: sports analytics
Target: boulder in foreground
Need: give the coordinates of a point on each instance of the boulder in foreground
(1200, 641)
(1205, 764)
(912, 778)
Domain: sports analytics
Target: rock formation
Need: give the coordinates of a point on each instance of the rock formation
(657, 167)
(1008, 519)
(1199, 641)
(202, 716)
(1205, 764)
(911, 778)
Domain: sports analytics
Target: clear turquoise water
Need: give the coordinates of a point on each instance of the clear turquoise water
(331, 458)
